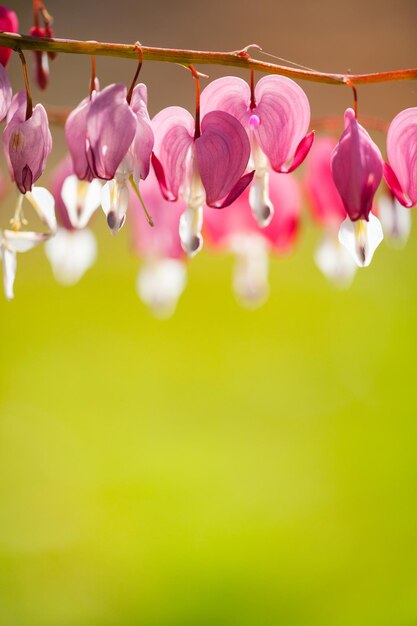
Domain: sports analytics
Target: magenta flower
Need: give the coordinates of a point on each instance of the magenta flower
(202, 165)
(401, 173)
(235, 231)
(327, 209)
(276, 116)
(8, 24)
(26, 143)
(356, 164)
(163, 275)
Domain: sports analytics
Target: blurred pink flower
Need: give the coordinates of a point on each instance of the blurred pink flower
(8, 24)
(162, 276)
(401, 172)
(236, 231)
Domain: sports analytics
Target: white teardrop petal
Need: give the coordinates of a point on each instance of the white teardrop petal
(69, 195)
(334, 261)
(160, 283)
(71, 254)
(9, 271)
(22, 241)
(396, 221)
(44, 204)
(260, 203)
(361, 238)
(191, 223)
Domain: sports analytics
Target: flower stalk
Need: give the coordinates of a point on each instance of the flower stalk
(193, 57)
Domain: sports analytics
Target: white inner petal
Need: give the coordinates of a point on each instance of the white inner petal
(396, 221)
(160, 283)
(191, 223)
(361, 238)
(250, 276)
(334, 261)
(261, 205)
(71, 254)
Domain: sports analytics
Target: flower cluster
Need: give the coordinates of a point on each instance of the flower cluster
(227, 172)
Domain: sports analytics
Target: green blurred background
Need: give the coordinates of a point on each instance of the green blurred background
(223, 467)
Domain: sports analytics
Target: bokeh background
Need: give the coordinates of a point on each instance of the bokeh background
(227, 467)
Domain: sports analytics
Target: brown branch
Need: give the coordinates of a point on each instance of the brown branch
(196, 57)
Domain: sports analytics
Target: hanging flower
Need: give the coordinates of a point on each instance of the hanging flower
(202, 165)
(328, 210)
(235, 231)
(163, 275)
(276, 117)
(356, 164)
(73, 250)
(395, 219)
(26, 142)
(8, 24)
(401, 172)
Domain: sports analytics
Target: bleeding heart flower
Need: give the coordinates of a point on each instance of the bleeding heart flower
(401, 172)
(327, 209)
(162, 277)
(41, 58)
(276, 116)
(26, 143)
(135, 165)
(8, 24)
(202, 165)
(73, 250)
(235, 230)
(356, 164)
(13, 241)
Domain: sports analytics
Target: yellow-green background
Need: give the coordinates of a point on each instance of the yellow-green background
(224, 467)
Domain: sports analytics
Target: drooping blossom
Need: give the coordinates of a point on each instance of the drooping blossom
(201, 164)
(26, 142)
(276, 117)
(235, 230)
(327, 209)
(163, 275)
(135, 164)
(401, 171)
(395, 219)
(16, 240)
(73, 250)
(110, 139)
(8, 24)
(41, 57)
(356, 164)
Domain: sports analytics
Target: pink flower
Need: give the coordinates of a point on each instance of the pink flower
(235, 230)
(327, 208)
(26, 143)
(356, 164)
(5, 93)
(8, 24)
(73, 249)
(41, 58)
(401, 173)
(276, 117)
(203, 166)
(162, 276)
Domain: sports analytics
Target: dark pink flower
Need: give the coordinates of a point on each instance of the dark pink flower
(401, 172)
(162, 276)
(204, 167)
(235, 230)
(276, 117)
(8, 24)
(356, 164)
(27, 143)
